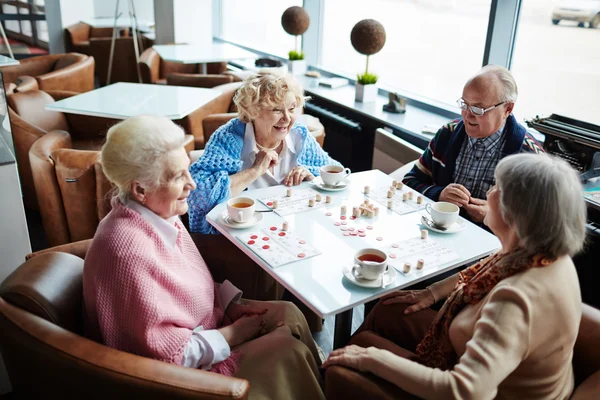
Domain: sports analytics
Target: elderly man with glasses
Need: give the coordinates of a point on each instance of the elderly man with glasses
(458, 165)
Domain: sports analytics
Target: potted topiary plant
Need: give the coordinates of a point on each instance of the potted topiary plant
(295, 21)
(367, 37)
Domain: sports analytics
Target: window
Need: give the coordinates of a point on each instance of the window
(432, 47)
(557, 66)
(257, 24)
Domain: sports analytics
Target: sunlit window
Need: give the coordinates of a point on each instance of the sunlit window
(556, 59)
(257, 24)
(432, 48)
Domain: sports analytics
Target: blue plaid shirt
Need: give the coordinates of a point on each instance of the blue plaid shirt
(476, 163)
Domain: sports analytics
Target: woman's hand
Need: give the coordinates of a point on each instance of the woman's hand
(350, 356)
(297, 175)
(236, 311)
(243, 330)
(420, 299)
(264, 160)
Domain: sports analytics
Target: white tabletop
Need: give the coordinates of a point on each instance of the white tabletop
(7, 61)
(318, 281)
(123, 100)
(122, 22)
(196, 54)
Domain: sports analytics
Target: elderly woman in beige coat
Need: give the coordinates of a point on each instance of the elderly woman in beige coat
(509, 323)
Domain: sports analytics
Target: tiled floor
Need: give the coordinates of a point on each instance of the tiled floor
(325, 338)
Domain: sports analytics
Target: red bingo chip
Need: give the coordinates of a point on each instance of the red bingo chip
(395, 246)
(362, 234)
(361, 230)
(379, 238)
(328, 214)
(336, 223)
(353, 217)
(343, 217)
(266, 247)
(353, 233)
(346, 233)
(302, 241)
(273, 228)
(301, 255)
(270, 203)
(281, 233)
(350, 229)
(369, 227)
(344, 223)
(392, 255)
(266, 238)
(253, 237)
(343, 228)
(251, 242)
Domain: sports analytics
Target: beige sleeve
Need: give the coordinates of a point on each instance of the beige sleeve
(499, 344)
(442, 289)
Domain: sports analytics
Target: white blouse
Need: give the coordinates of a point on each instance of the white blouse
(287, 158)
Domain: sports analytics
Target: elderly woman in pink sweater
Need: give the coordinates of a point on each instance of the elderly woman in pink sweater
(148, 291)
(509, 323)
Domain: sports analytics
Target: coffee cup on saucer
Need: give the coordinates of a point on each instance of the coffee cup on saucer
(334, 174)
(369, 264)
(442, 213)
(240, 209)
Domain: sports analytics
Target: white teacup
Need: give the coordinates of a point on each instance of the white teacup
(369, 264)
(442, 213)
(334, 174)
(240, 209)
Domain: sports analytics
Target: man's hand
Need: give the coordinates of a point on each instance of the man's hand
(477, 209)
(456, 194)
(236, 311)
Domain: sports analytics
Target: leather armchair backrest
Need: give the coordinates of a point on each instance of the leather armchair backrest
(32, 66)
(150, 65)
(49, 286)
(68, 59)
(124, 68)
(30, 106)
(76, 34)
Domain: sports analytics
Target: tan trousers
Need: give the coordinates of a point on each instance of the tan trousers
(386, 327)
(282, 364)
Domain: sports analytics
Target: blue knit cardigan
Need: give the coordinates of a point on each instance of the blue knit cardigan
(222, 158)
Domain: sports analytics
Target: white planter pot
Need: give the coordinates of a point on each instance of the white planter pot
(297, 67)
(365, 93)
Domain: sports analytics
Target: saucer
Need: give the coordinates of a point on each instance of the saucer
(343, 185)
(458, 226)
(228, 222)
(389, 277)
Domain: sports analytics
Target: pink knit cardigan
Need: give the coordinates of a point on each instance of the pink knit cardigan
(143, 297)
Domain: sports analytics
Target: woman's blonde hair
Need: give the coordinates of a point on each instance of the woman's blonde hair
(136, 150)
(265, 89)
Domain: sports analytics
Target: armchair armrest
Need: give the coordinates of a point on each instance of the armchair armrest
(213, 122)
(77, 77)
(25, 83)
(586, 354)
(204, 81)
(78, 249)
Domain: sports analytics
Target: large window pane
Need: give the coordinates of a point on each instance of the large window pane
(432, 48)
(557, 67)
(257, 24)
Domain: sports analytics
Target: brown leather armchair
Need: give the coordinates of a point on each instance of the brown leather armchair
(348, 384)
(47, 356)
(77, 36)
(70, 71)
(156, 70)
(124, 67)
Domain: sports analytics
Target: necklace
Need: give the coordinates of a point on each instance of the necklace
(268, 148)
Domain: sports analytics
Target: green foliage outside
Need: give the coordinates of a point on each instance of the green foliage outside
(295, 55)
(367, 78)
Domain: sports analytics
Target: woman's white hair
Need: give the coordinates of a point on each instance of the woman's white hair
(508, 86)
(264, 89)
(136, 150)
(541, 197)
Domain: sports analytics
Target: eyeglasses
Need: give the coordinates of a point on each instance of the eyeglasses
(477, 111)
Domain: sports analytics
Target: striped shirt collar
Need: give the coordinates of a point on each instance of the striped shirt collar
(489, 143)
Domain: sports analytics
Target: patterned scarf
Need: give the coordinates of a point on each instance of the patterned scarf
(474, 283)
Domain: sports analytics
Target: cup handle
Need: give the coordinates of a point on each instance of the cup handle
(240, 216)
(347, 171)
(355, 271)
(428, 208)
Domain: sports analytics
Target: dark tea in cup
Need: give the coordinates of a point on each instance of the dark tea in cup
(241, 205)
(371, 258)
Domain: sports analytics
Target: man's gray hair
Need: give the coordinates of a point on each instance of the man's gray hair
(136, 150)
(508, 86)
(541, 197)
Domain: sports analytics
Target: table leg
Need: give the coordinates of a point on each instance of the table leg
(203, 68)
(343, 328)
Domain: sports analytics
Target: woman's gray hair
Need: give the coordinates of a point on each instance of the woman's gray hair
(136, 150)
(264, 89)
(508, 86)
(541, 197)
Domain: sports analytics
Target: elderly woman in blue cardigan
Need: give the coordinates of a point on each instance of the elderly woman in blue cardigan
(261, 148)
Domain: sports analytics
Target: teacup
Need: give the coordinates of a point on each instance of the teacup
(240, 209)
(334, 174)
(442, 213)
(369, 264)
